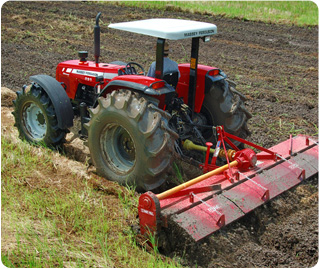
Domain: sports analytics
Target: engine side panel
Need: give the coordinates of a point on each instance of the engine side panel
(72, 73)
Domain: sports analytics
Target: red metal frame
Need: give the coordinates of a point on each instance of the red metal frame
(223, 138)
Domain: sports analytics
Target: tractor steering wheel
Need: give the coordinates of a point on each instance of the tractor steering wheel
(129, 69)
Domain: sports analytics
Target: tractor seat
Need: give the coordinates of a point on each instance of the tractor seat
(172, 78)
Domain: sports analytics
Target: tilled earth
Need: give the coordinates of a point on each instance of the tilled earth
(275, 66)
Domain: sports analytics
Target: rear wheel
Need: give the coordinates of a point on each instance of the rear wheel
(222, 106)
(130, 141)
(35, 117)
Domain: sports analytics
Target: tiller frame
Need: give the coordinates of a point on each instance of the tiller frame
(223, 194)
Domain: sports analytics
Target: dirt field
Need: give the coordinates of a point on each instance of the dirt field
(275, 66)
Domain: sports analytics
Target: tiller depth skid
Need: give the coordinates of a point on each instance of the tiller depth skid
(203, 205)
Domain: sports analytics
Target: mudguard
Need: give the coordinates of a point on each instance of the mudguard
(158, 89)
(59, 99)
(137, 83)
(209, 80)
(146, 89)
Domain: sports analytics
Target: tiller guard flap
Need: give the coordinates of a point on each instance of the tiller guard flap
(210, 204)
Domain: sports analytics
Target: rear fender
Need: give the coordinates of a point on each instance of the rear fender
(157, 88)
(211, 79)
(206, 76)
(59, 99)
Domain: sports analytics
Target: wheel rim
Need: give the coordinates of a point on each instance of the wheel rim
(118, 148)
(34, 121)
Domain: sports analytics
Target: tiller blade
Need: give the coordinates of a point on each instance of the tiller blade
(205, 204)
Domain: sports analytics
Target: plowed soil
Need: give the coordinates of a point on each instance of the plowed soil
(275, 66)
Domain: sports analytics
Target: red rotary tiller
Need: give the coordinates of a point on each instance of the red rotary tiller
(204, 204)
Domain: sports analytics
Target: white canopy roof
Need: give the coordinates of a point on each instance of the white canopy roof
(173, 29)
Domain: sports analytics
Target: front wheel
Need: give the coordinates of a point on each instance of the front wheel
(35, 117)
(130, 141)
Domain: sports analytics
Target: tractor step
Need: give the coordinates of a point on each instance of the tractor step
(202, 209)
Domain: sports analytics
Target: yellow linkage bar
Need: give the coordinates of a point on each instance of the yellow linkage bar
(191, 182)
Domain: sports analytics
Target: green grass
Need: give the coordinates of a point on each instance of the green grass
(54, 218)
(302, 13)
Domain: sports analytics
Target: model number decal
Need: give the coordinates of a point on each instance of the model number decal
(89, 74)
(147, 212)
(86, 73)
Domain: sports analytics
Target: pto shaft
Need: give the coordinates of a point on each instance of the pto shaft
(189, 145)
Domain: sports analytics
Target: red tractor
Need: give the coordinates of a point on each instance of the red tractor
(134, 125)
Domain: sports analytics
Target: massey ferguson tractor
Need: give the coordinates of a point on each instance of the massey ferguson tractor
(135, 126)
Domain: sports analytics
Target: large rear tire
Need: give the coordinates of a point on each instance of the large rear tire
(35, 117)
(130, 141)
(223, 106)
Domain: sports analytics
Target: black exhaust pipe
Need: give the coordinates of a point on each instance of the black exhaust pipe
(97, 39)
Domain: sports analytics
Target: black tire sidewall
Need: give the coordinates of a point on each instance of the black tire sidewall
(117, 117)
(212, 104)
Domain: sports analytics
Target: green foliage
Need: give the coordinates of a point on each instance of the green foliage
(51, 219)
(178, 179)
(302, 13)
